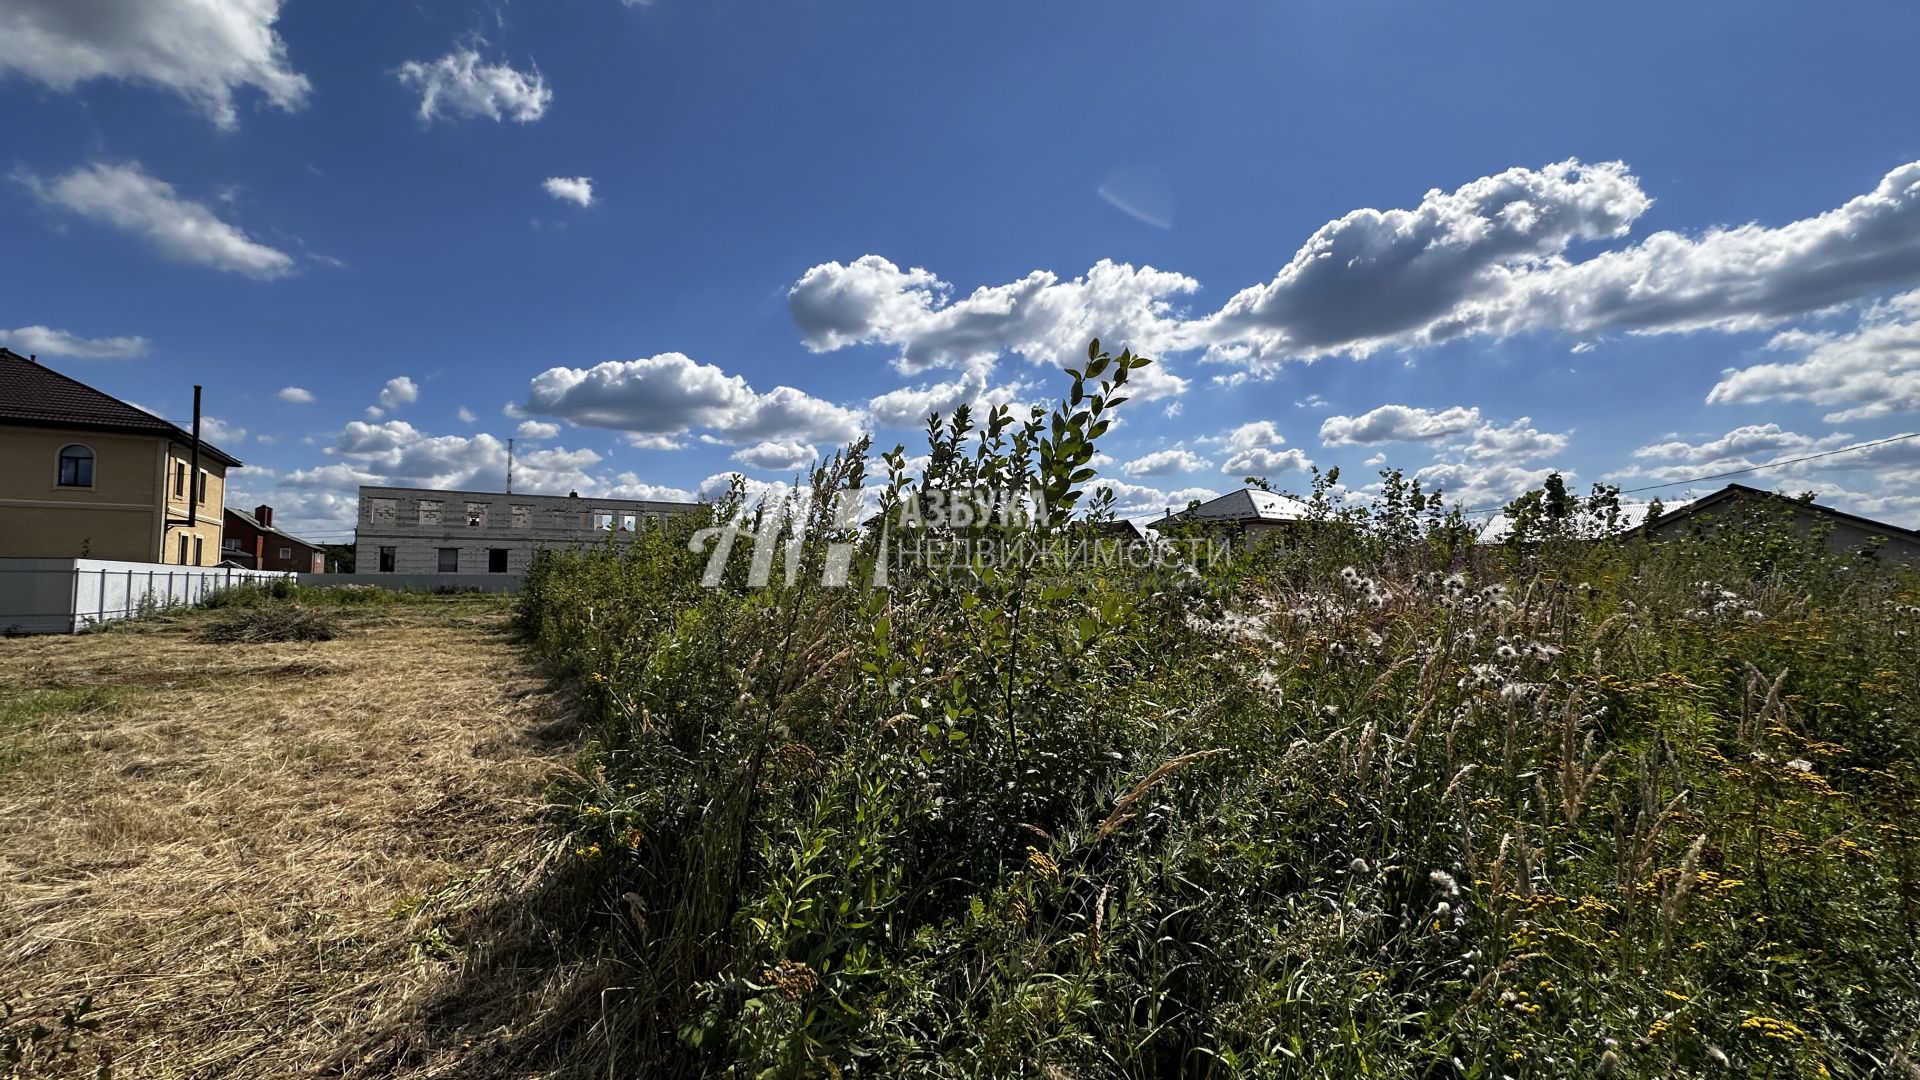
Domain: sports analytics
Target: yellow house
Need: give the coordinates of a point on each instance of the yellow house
(90, 476)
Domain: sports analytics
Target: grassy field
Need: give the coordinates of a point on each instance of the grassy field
(274, 859)
(1379, 803)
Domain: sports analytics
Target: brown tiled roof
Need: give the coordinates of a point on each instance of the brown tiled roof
(36, 395)
(271, 530)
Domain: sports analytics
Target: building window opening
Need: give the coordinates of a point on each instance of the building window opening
(449, 560)
(496, 560)
(76, 466)
(386, 560)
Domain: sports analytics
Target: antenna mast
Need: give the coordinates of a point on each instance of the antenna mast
(509, 466)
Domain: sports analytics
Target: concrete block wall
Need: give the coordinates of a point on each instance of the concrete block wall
(416, 523)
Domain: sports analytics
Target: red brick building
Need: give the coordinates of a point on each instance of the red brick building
(252, 541)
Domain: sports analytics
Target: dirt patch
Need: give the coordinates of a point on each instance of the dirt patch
(247, 862)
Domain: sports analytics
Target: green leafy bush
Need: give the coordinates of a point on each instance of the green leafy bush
(1370, 801)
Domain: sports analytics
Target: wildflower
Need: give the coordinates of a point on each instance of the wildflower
(1800, 764)
(1456, 584)
(1358, 866)
(1609, 1061)
(1718, 1056)
(1507, 652)
(1043, 864)
(1444, 882)
(790, 979)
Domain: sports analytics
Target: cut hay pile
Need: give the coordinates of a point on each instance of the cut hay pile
(270, 623)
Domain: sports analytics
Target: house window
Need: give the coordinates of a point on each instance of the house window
(179, 479)
(386, 560)
(628, 522)
(429, 512)
(286, 553)
(197, 551)
(522, 517)
(449, 560)
(603, 520)
(231, 543)
(76, 466)
(182, 560)
(496, 560)
(476, 515)
(203, 486)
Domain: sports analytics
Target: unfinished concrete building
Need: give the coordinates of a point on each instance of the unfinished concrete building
(426, 531)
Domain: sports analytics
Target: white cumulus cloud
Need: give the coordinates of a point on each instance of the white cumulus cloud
(1254, 450)
(1040, 317)
(1751, 441)
(400, 390)
(777, 455)
(460, 85)
(220, 432)
(909, 406)
(203, 50)
(127, 198)
(670, 394)
(1492, 258)
(1871, 371)
(1376, 278)
(295, 395)
(1397, 423)
(46, 341)
(1174, 459)
(574, 189)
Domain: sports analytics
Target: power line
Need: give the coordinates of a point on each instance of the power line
(1745, 471)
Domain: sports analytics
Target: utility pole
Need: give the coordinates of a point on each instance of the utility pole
(509, 466)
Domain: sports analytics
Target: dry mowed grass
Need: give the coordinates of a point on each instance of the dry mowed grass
(265, 860)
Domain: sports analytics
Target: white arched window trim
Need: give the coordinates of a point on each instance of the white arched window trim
(60, 459)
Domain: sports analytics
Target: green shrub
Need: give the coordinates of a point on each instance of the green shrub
(1373, 803)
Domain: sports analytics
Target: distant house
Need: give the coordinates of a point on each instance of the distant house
(1738, 506)
(90, 476)
(1249, 512)
(427, 531)
(253, 541)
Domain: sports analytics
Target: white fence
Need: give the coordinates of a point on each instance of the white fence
(61, 596)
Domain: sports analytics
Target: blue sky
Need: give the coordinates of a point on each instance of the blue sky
(1635, 245)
